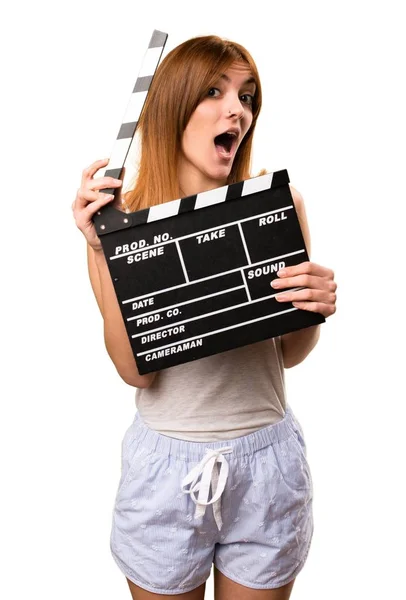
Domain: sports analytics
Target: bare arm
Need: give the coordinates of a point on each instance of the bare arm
(115, 334)
(298, 344)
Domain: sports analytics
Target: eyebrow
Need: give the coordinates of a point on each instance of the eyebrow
(249, 80)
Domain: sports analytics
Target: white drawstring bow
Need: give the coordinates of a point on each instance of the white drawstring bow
(210, 475)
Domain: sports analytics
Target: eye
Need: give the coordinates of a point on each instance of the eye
(250, 99)
(213, 89)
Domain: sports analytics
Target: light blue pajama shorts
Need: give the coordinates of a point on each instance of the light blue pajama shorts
(256, 526)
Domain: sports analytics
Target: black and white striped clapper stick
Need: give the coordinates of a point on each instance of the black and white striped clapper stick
(129, 126)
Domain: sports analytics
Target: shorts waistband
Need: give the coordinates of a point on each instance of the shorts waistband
(189, 450)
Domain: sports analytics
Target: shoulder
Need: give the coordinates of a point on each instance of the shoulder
(297, 197)
(299, 204)
(301, 214)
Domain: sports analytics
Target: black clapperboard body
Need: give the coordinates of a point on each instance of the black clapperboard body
(193, 276)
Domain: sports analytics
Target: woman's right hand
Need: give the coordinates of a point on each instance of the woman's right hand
(89, 200)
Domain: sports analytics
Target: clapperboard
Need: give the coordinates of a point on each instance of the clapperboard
(193, 276)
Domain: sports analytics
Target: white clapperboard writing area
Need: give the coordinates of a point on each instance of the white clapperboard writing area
(193, 276)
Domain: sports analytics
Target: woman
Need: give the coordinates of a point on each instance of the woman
(229, 408)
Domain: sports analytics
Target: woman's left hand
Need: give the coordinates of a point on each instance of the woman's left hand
(319, 293)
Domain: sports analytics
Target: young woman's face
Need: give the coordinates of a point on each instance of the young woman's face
(206, 159)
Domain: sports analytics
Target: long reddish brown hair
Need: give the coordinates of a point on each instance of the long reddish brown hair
(181, 81)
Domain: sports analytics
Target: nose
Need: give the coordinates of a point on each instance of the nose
(235, 108)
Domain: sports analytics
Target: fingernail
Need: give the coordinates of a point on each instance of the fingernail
(281, 273)
(281, 296)
(275, 283)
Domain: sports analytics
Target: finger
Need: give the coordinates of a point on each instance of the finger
(85, 197)
(92, 169)
(307, 295)
(92, 208)
(307, 267)
(83, 218)
(309, 281)
(319, 307)
(103, 182)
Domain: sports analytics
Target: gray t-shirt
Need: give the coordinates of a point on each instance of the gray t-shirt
(218, 397)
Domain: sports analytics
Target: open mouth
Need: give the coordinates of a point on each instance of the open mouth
(225, 143)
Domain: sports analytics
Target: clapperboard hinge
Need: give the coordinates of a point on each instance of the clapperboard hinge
(115, 220)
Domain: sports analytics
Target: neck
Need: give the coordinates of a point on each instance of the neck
(192, 182)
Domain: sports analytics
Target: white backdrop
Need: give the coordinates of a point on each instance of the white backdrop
(333, 115)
